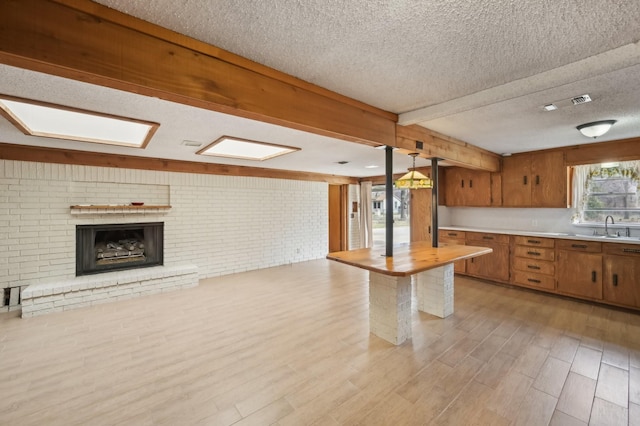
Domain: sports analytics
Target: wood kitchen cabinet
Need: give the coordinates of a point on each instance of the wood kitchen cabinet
(493, 266)
(466, 187)
(579, 268)
(420, 215)
(454, 237)
(534, 180)
(622, 274)
(533, 262)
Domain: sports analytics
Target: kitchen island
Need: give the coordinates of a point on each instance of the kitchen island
(390, 282)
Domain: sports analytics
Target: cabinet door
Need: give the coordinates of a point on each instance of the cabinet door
(621, 284)
(516, 182)
(548, 180)
(494, 266)
(459, 266)
(477, 191)
(454, 186)
(580, 274)
(420, 215)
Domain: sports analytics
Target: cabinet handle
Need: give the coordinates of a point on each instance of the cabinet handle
(472, 259)
(615, 280)
(533, 241)
(584, 246)
(531, 280)
(533, 253)
(630, 250)
(462, 183)
(533, 267)
(537, 180)
(470, 183)
(525, 179)
(487, 238)
(452, 234)
(593, 276)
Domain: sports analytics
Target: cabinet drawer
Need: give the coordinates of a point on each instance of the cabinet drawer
(534, 280)
(452, 234)
(576, 245)
(622, 249)
(451, 241)
(535, 253)
(534, 241)
(534, 266)
(479, 237)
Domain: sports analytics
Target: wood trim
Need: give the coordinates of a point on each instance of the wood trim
(452, 150)
(603, 152)
(84, 41)
(22, 127)
(85, 158)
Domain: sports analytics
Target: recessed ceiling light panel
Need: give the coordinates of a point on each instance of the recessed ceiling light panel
(244, 149)
(550, 107)
(55, 121)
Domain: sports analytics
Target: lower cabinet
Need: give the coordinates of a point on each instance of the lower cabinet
(622, 274)
(533, 262)
(493, 266)
(591, 270)
(454, 237)
(579, 265)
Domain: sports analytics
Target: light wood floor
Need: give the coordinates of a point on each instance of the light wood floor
(290, 346)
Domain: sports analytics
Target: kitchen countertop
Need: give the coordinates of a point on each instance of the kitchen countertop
(561, 235)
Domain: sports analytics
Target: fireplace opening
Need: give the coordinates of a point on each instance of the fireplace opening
(105, 248)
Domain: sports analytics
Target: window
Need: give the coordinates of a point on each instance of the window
(607, 189)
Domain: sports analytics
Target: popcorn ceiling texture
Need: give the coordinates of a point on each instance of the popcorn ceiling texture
(402, 55)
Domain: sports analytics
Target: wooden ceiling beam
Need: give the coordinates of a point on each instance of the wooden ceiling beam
(84, 158)
(85, 41)
(455, 152)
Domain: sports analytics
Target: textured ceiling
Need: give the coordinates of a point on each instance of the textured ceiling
(402, 55)
(478, 71)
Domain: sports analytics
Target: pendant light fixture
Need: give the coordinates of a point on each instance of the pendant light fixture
(414, 179)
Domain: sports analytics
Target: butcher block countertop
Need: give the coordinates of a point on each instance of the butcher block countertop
(408, 259)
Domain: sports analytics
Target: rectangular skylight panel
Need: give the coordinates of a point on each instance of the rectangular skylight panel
(245, 149)
(61, 123)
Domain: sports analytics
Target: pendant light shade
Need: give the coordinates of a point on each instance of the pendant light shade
(414, 179)
(596, 128)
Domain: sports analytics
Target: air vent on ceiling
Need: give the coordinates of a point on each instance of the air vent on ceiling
(191, 143)
(581, 99)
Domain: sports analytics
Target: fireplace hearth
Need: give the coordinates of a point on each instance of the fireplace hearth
(105, 248)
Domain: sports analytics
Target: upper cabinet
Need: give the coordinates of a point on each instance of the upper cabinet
(466, 187)
(534, 180)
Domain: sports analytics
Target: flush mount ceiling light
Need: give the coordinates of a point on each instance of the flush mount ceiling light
(35, 118)
(550, 107)
(414, 179)
(244, 149)
(596, 128)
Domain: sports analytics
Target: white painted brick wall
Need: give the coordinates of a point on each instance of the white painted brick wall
(434, 291)
(390, 307)
(222, 224)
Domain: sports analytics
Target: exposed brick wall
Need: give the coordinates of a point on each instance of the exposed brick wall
(221, 224)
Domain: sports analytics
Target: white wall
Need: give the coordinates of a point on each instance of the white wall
(354, 217)
(222, 224)
(522, 219)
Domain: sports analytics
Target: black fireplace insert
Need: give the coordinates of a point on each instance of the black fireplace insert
(105, 248)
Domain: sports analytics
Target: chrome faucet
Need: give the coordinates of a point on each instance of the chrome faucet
(606, 220)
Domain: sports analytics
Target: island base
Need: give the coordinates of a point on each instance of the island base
(390, 301)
